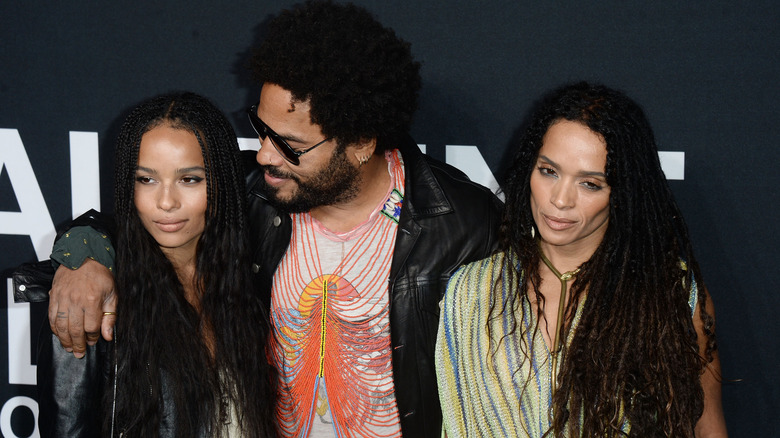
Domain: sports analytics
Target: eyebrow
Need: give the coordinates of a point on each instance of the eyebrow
(286, 137)
(182, 170)
(581, 173)
(191, 169)
(290, 138)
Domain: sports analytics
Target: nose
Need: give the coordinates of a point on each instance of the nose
(267, 154)
(168, 198)
(563, 195)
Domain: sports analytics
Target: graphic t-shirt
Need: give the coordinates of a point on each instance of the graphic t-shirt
(330, 315)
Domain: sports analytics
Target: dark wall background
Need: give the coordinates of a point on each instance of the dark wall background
(706, 73)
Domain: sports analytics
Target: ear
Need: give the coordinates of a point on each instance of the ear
(362, 150)
(364, 147)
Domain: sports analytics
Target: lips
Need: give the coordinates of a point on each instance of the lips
(169, 226)
(273, 180)
(274, 176)
(557, 223)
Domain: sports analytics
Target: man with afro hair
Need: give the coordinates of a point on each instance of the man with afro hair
(354, 231)
(370, 228)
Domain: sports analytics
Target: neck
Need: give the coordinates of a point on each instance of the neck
(184, 265)
(563, 276)
(345, 216)
(568, 257)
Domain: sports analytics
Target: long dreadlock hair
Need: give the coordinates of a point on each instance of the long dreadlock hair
(634, 356)
(161, 348)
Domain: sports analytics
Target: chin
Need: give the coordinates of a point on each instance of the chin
(169, 243)
(557, 238)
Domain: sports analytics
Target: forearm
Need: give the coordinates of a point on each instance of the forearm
(712, 423)
(87, 236)
(81, 300)
(76, 245)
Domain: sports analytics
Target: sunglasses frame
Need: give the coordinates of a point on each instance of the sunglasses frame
(281, 145)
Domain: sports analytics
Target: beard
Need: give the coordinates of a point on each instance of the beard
(339, 181)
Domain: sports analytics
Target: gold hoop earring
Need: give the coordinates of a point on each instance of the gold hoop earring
(362, 159)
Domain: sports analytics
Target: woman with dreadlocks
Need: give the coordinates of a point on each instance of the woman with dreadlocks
(187, 359)
(592, 319)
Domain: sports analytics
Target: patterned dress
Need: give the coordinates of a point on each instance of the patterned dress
(500, 395)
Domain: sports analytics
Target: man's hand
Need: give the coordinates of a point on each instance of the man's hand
(77, 302)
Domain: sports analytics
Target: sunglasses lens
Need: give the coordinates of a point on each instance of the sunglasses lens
(264, 131)
(284, 150)
(257, 125)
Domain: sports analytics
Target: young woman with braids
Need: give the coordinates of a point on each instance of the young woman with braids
(593, 319)
(188, 355)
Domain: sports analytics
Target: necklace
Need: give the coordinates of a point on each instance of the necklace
(565, 277)
(330, 313)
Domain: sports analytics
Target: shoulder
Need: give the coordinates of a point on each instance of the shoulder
(693, 290)
(257, 199)
(439, 192)
(693, 297)
(472, 283)
(458, 187)
(480, 270)
(268, 226)
(460, 214)
(440, 186)
(252, 172)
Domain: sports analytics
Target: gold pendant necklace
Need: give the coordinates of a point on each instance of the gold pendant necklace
(566, 276)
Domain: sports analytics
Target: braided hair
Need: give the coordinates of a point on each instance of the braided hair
(634, 355)
(161, 338)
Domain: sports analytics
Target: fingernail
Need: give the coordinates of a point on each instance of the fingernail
(79, 355)
(69, 350)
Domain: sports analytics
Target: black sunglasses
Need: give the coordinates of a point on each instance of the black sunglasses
(284, 148)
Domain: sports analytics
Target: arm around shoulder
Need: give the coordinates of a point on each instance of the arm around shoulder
(82, 288)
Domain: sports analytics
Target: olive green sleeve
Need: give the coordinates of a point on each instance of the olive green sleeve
(80, 243)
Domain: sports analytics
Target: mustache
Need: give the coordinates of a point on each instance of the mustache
(277, 173)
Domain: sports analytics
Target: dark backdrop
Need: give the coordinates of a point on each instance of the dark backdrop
(705, 72)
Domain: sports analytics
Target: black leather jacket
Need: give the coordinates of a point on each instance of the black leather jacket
(446, 221)
(69, 389)
(75, 396)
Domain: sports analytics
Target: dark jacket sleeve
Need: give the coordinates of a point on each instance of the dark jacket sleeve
(70, 390)
(101, 222)
(88, 236)
(32, 281)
